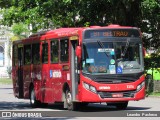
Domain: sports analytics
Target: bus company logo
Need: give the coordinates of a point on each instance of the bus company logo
(130, 86)
(104, 87)
(6, 114)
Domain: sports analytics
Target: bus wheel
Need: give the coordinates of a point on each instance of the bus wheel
(70, 104)
(149, 77)
(149, 83)
(33, 102)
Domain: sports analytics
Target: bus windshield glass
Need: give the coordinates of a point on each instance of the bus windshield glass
(106, 57)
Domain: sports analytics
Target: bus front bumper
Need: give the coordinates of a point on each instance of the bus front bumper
(108, 96)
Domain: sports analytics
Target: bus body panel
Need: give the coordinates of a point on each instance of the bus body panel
(36, 78)
(95, 98)
(115, 87)
(46, 87)
(112, 88)
(58, 77)
(15, 80)
(26, 79)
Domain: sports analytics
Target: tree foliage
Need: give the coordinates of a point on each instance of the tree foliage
(42, 14)
(151, 25)
(68, 13)
(20, 31)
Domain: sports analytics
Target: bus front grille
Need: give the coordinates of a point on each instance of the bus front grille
(114, 78)
(125, 94)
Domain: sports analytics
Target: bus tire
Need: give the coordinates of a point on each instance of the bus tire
(149, 83)
(70, 104)
(148, 76)
(33, 102)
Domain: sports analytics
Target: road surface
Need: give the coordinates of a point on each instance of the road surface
(21, 108)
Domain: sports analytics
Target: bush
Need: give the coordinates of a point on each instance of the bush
(151, 62)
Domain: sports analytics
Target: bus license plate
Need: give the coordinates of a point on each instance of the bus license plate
(117, 95)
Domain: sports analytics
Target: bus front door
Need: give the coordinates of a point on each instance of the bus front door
(74, 70)
(20, 72)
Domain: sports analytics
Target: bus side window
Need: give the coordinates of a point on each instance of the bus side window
(64, 50)
(45, 53)
(15, 55)
(54, 51)
(35, 53)
(27, 54)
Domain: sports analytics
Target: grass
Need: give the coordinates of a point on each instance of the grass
(5, 81)
(155, 94)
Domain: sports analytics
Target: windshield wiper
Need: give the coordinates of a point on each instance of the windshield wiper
(126, 47)
(102, 46)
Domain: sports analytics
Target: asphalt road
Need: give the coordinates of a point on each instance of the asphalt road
(21, 107)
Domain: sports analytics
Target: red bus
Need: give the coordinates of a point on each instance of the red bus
(77, 66)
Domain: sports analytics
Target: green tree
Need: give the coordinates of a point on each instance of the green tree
(20, 31)
(151, 23)
(42, 14)
(5, 3)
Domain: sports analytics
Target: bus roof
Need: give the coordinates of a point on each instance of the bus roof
(72, 31)
(64, 32)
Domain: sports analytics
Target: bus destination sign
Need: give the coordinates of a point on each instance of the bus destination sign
(112, 33)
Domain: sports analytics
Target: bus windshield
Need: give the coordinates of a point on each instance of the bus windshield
(101, 57)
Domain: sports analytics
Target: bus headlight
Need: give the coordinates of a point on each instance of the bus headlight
(89, 87)
(139, 87)
(86, 86)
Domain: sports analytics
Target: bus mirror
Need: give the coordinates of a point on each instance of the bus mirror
(79, 52)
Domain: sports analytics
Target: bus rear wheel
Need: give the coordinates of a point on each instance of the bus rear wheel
(70, 104)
